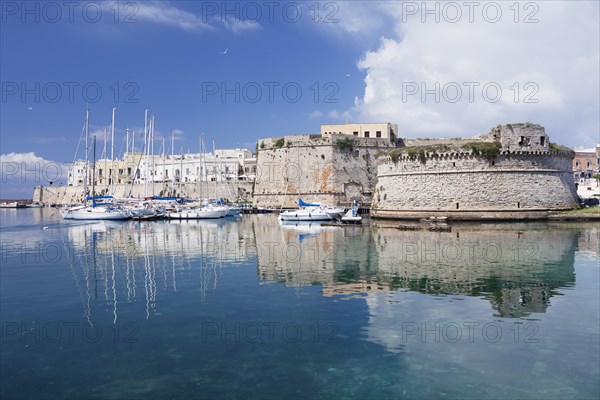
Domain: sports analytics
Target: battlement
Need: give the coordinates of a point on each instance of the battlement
(314, 140)
(511, 139)
(406, 156)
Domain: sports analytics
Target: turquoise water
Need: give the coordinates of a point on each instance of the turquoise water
(252, 309)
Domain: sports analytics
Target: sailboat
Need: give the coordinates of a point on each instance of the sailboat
(198, 210)
(97, 211)
(310, 211)
(306, 212)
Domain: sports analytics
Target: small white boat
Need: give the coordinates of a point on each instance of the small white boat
(13, 204)
(352, 217)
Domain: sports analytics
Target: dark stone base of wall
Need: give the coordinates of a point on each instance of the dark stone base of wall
(465, 215)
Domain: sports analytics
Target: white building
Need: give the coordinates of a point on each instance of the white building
(220, 165)
(382, 131)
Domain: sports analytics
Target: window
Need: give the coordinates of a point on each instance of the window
(356, 153)
(355, 133)
(100, 172)
(366, 133)
(542, 140)
(378, 134)
(576, 164)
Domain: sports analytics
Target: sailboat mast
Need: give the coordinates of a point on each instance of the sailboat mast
(173, 157)
(112, 149)
(94, 173)
(215, 169)
(105, 158)
(153, 161)
(87, 129)
(145, 152)
(200, 170)
(181, 171)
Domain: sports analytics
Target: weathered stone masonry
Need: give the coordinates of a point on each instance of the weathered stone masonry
(527, 178)
(334, 169)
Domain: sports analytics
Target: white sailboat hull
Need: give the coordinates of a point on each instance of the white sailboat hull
(198, 213)
(304, 215)
(93, 213)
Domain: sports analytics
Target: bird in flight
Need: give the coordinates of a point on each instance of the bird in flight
(225, 52)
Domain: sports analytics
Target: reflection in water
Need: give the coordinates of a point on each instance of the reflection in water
(115, 262)
(516, 267)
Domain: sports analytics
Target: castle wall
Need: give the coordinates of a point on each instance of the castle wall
(464, 185)
(330, 173)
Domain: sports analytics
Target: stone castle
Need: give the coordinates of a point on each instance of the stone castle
(512, 172)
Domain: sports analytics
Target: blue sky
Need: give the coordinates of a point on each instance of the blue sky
(359, 61)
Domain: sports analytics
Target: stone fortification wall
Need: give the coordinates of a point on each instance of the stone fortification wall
(525, 178)
(74, 194)
(328, 169)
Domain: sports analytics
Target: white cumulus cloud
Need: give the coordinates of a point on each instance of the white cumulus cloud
(429, 77)
(21, 172)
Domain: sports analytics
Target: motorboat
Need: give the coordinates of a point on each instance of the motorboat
(13, 204)
(352, 217)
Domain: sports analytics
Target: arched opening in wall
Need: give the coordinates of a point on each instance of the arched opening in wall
(353, 190)
(518, 204)
(457, 206)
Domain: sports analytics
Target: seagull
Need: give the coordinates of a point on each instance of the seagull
(347, 75)
(30, 108)
(224, 52)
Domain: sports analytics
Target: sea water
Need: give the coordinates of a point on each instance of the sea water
(249, 308)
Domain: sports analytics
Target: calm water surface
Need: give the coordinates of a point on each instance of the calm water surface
(251, 309)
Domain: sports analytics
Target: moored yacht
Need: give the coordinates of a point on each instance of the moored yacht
(308, 212)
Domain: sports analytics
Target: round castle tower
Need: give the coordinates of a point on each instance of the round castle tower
(513, 172)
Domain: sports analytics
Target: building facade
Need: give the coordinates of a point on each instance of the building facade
(380, 131)
(221, 165)
(586, 163)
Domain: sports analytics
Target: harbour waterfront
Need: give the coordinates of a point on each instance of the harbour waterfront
(250, 308)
